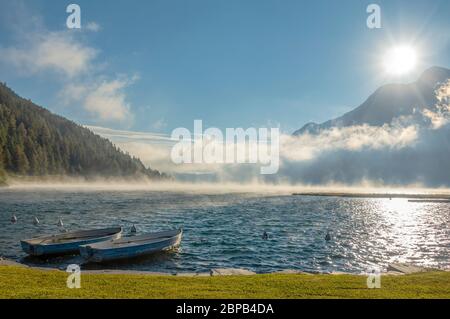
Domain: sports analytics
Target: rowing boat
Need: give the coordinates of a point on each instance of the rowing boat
(131, 247)
(68, 243)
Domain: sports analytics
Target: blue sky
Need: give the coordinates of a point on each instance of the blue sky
(157, 65)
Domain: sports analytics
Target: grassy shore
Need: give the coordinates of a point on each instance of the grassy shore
(22, 282)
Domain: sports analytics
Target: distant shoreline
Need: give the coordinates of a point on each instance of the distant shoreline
(61, 183)
(416, 197)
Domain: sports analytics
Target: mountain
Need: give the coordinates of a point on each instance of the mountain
(35, 142)
(388, 102)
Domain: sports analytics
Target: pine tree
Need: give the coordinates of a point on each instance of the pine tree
(20, 161)
(36, 142)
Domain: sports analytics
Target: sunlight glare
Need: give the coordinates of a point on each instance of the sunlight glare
(400, 60)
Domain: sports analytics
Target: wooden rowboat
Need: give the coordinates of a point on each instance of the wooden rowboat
(68, 243)
(130, 247)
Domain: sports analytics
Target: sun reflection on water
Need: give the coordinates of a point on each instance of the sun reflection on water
(402, 225)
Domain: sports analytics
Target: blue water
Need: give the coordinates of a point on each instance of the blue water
(225, 230)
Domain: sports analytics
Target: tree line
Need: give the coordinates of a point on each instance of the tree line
(35, 142)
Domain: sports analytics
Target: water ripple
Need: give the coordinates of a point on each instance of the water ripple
(225, 230)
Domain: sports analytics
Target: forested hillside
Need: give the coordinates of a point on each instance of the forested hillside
(35, 142)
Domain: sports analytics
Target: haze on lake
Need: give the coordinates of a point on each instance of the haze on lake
(224, 229)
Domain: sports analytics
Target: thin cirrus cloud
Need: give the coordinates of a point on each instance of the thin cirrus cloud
(153, 149)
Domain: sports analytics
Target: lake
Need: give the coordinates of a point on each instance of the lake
(225, 229)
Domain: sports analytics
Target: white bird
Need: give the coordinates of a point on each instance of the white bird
(13, 219)
(133, 229)
(60, 223)
(35, 221)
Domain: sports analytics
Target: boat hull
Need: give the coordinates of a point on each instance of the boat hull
(96, 255)
(46, 249)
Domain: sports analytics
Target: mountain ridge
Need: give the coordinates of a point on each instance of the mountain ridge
(388, 102)
(36, 142)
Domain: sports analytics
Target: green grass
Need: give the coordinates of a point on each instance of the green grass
(20, 282)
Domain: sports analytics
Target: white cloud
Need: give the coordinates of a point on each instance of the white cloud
(155, 149)
(107, 101)
(409, 150)
(353, 138)
(441, 115)
(93, 26)
(104, 99)
(56, 51)
(64, 56)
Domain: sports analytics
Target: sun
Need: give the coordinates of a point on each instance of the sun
(400, 60)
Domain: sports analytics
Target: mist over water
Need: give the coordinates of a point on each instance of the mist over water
(224, 229)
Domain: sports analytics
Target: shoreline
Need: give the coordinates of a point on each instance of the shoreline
(26, 282)
(393, 269)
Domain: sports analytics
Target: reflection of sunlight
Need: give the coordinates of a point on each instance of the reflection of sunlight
(396, 205)
(402, 229)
